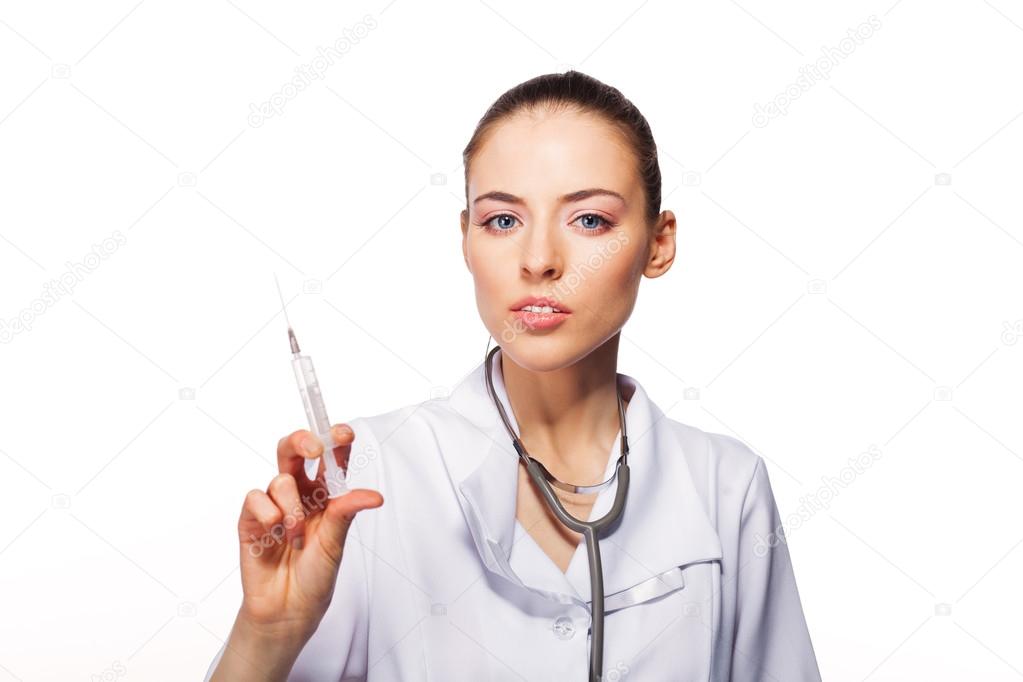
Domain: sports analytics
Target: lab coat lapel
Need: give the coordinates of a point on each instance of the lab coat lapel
(489, 502)
(664, 524)
(662, 527)
(484, 466)
(490, 498)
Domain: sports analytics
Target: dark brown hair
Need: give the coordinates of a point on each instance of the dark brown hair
(585, 93)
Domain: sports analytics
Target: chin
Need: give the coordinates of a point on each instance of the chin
(543, 353)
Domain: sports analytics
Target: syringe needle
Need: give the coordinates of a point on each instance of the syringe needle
(291, 334)
(281, 294)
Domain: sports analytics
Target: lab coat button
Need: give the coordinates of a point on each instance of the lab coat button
(564, 628)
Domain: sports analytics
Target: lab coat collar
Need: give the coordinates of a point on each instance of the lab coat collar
(663, 526)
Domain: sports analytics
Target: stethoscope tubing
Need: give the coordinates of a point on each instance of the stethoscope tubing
(589, 529)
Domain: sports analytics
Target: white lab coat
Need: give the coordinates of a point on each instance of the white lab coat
(442, 582)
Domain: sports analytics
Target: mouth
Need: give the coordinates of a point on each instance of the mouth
(538, 313)
(540, 305)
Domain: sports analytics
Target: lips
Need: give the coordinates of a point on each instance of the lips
(540, 301)
(539, 321)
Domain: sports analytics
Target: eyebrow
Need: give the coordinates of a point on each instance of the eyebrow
(567, 198)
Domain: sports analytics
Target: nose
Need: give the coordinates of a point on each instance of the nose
(541, 252)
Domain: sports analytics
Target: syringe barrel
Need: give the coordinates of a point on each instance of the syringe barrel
(312, 399)
(319, 424)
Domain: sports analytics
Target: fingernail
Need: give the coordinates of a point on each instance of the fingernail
(309, 445)
(298, 542)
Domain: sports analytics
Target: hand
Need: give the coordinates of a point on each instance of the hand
(292, 538)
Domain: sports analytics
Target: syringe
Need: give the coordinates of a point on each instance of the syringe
(315, 411)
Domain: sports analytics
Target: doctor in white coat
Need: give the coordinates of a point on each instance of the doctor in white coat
(426, 571)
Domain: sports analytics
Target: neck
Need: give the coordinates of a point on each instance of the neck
(568, 418)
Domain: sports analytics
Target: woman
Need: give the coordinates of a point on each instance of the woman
(466, 573)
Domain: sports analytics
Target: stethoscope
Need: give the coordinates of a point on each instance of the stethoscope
(590, 529)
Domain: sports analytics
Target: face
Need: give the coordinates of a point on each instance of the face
(556, 211)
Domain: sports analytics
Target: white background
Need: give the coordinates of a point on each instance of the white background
(848, 277)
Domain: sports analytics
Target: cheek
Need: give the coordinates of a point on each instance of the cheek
(489, 281)
(612, 287)
(615, 272)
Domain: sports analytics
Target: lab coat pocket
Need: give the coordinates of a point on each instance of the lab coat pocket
(669, 581)
(668, 632)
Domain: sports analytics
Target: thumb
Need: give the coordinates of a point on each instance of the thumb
(339, 514)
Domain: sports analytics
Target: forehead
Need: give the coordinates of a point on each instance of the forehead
(545, 155)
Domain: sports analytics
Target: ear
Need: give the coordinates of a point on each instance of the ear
(464, 219)
(662, 245)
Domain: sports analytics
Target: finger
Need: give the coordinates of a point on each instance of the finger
(293, 451)
(290, 454)
(283, 490)
(339, 514)
(343, 436)
(258, 517)
(295, 448)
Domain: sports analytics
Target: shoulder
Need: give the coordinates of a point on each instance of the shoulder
(730, 457)
(722, 466)
(409, 430)
(408, 420)
(380, 425)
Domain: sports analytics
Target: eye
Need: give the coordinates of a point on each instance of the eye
(506, 222)
(594, 223)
